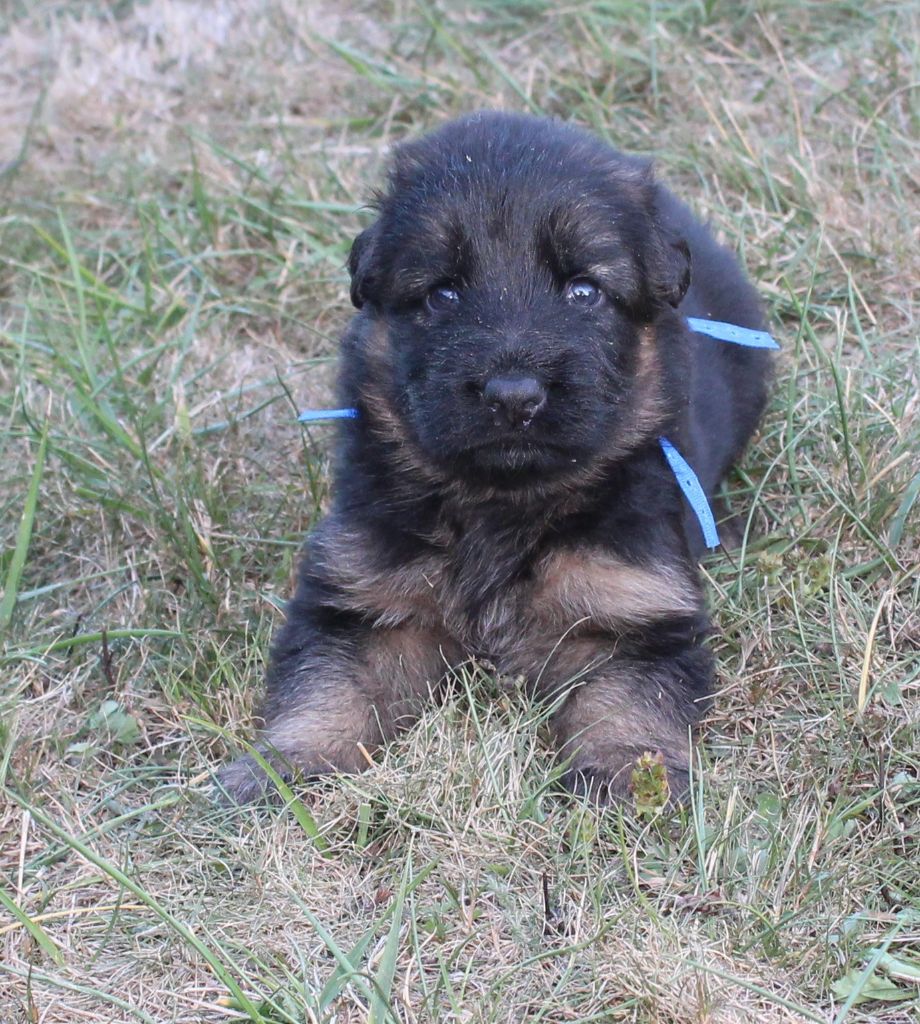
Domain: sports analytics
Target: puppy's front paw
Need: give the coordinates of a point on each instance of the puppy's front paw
(300, 746)
(631, 775)
(245, 780)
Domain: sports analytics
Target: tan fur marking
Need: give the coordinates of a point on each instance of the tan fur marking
(350, 560)
(607, 722)
(322, 739)
(603, 713)
(649, 400)
(378, 344)
(606, 592)
(360, 702)
(552, 667)
(407, 665)
(647, 404)
(620, 271)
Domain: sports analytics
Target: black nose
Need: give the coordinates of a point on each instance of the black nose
(514, 397)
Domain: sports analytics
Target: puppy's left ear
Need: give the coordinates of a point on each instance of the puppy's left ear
(672, 274)
(670, 254)
(360, 262)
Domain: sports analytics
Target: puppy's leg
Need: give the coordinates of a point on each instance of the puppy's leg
(628, 673)
(625, 707)
(333, 689)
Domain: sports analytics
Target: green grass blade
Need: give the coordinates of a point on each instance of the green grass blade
(304, 818)
(341, 976)
(96, 288)
(380, 1003)
(766, 994)
(23, 536)
(358, 978)
(896, 530)
(868, 971)
(41, 937)
(81, 639)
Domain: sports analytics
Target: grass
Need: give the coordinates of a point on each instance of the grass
(179, 185)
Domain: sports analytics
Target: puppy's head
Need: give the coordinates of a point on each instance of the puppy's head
(507, 291)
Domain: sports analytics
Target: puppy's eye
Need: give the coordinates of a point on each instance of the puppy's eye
(442, 296)
(582, 292)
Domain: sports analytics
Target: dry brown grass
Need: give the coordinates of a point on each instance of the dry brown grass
(180, 184)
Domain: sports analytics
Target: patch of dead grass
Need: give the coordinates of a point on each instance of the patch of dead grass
(206, 162)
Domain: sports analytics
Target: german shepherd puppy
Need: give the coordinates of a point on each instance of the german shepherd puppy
(519, 348)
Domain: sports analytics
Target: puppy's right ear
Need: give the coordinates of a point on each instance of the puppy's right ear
(360, 261)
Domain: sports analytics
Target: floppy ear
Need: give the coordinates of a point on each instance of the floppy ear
(360, 261)
(673, 272)
(670, 255)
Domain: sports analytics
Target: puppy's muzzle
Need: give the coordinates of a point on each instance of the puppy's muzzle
(514, 398)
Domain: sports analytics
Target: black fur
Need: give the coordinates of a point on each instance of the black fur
(475, 514)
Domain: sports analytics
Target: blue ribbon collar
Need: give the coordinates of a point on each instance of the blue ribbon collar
(732, 333)
(314, 415)
(687, 480)
(690, 484)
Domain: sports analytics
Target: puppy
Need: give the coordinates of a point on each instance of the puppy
(520, 346)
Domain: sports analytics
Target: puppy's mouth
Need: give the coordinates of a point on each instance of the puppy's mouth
(518, 461)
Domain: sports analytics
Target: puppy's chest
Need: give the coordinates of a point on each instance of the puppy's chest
(504, 605)
(489, 622)
(562, 594)
(487, 601)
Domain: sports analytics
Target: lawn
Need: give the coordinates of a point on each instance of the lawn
(180, 183)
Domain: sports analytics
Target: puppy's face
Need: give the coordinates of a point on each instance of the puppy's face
(513, 276)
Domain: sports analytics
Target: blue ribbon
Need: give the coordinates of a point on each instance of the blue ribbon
(687, 480)
(313, 415)
(732, 333)
(690, 484)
